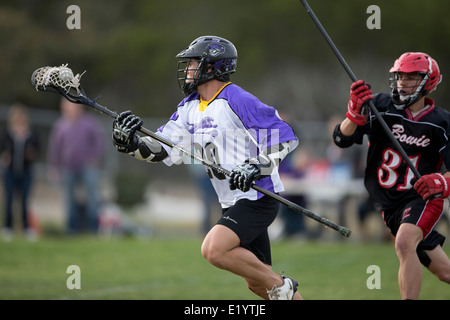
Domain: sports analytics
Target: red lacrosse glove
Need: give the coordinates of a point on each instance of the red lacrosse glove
(360, 94)
(434, 184)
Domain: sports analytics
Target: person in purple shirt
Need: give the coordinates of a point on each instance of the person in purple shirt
(76, 146)
(232, 128)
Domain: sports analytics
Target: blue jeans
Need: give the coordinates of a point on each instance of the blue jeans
(87, 178)
(20, 183)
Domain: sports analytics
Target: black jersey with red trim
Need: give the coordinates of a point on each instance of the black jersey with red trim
(423, 136)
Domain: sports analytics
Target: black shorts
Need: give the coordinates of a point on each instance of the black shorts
(425, 215)
(250, 220)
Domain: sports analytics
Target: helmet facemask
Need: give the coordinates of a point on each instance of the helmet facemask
(187, 83)
(403, 97)
(205, 71)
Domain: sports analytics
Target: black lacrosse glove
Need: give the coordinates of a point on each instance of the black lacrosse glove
(124, 134)
(243, 176)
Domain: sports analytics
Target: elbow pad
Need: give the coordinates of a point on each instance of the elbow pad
(271, 157)
(341, 140)
(149, 150)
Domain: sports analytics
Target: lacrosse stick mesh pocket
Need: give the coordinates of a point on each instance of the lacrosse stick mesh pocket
(60, 77)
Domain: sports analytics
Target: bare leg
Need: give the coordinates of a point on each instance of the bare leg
(221, 248)
(410, 271)
(257, 289)
(440, 264)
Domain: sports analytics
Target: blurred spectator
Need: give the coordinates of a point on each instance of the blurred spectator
(365, 209)
(294, 166)
(76, 146)
(355, 159)
(209, 198)
(342, 167)
(19, 148)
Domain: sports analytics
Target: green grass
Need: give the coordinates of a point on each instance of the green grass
(174, 269)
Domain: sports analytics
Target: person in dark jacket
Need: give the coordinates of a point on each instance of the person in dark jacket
(19, 148)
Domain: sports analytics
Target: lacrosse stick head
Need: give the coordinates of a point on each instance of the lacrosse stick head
(59, 80)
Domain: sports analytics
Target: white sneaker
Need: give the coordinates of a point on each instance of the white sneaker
(31, 235)
(7, 234)
(285, 291)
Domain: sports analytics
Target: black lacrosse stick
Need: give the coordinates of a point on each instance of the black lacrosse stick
(61, 80)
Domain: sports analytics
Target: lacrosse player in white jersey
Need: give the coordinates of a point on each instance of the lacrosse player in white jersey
(232, 128)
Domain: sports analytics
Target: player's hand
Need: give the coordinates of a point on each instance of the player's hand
(124, 132)
(360, 94)
(433, 185)
(243, 176)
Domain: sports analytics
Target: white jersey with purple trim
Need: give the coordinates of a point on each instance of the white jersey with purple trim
(228, 129)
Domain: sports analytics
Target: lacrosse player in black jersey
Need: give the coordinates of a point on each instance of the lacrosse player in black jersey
(410, 208)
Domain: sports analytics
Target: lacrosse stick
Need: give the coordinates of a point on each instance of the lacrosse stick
(62, 80)
(352, 76)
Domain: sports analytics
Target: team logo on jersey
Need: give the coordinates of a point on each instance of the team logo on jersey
(215, 49)
(206, 123)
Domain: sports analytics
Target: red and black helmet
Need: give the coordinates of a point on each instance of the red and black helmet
(424, 66)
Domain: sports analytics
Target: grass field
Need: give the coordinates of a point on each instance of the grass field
(153, 268)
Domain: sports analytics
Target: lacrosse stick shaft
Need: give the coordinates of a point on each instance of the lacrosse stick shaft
(51, 80)
(341, 59)
(342, 230)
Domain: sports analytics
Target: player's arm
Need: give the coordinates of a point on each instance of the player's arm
(261, 166)
(126, 140)
(347, 128)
